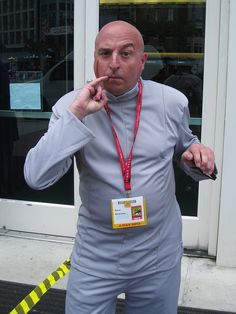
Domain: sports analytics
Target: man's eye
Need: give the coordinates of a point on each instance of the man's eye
(125, 54)
(104, 53)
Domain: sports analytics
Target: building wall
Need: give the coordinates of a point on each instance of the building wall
(226, 253)
(220, 225)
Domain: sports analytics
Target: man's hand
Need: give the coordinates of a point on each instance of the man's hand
(198, 155)
(91, 99)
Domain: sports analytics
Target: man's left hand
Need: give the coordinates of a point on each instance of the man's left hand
(201, 156)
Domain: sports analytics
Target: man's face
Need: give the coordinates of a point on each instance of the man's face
(119, 55)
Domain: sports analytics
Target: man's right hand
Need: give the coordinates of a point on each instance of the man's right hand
(91, 99)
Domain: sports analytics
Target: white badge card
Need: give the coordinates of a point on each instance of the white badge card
(128, 212)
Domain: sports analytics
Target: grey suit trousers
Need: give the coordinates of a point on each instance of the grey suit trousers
(153, 294)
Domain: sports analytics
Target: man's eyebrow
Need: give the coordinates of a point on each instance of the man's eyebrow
(100, 50)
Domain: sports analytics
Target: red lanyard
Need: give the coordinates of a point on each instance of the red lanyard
(126, 165)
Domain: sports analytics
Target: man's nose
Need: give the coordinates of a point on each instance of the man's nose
(114, 64)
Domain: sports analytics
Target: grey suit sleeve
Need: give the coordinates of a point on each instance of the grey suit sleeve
(51, 158)
(186, 138)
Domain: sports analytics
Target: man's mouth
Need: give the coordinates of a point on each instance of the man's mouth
(114, 78)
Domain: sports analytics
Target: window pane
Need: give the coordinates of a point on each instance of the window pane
(17, 136)
(174, 35)
(44, 46)
(36, 60)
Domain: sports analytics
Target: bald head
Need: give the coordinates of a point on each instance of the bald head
(122, 28)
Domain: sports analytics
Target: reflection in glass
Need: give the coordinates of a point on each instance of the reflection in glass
(36, 39)
(8, 135)
(17, 136)
(36, 69)
(174, 35)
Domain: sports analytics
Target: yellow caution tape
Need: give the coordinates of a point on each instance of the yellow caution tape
(36, 294)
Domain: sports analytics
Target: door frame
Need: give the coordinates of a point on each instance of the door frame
(47, 218)
(201, 232)
(198, 232)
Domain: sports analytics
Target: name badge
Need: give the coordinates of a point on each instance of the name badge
(128, 212)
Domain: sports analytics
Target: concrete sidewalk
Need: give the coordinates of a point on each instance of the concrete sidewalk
(29, 258)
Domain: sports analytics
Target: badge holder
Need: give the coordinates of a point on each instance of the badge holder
(128, 212)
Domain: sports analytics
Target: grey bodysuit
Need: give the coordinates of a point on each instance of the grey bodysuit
(163, 135)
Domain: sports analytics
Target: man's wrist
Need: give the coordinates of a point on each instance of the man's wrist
(77, 112)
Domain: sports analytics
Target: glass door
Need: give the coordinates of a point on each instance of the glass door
(174, 35)
(36, 59)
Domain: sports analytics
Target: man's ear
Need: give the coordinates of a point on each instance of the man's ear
(144, 59)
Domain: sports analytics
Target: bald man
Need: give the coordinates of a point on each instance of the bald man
(125, 133)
